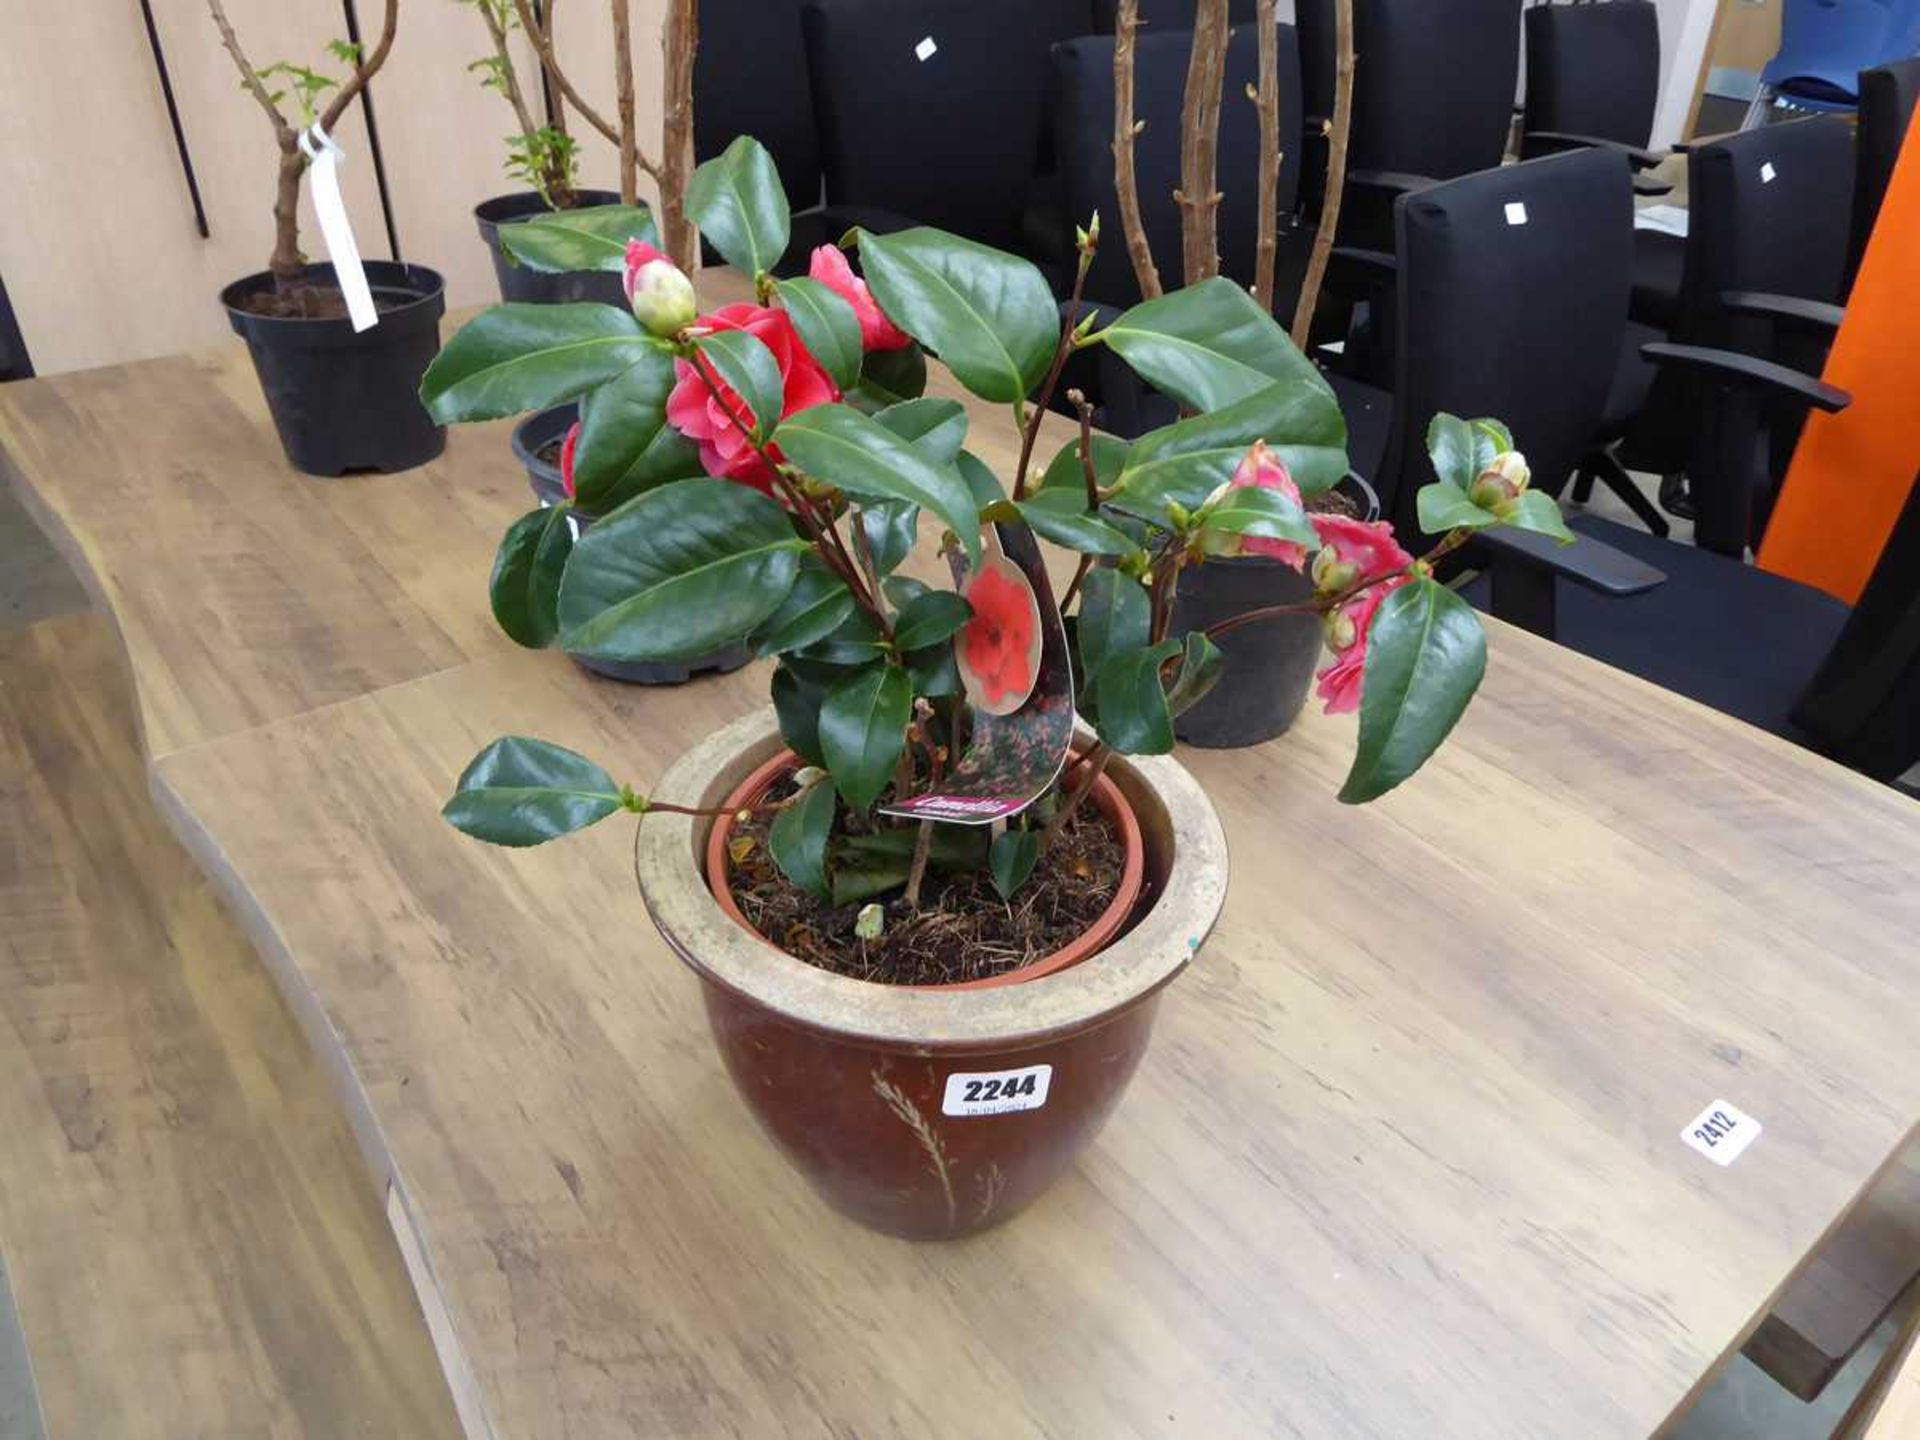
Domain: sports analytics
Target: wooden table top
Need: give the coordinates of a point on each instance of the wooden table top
(1404, 1158)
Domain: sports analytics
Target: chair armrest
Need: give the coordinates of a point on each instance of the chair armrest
(1558, 140)
(1729, 367)
(1651, 185)
(1787, 309)
(1395, 180)
(1523, 570)
(1587, 562)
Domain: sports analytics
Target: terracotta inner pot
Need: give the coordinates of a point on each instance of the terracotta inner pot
(1106, 796)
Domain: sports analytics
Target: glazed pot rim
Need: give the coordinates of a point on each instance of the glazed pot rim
(671, 869)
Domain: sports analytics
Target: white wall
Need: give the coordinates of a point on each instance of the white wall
(1685, 28)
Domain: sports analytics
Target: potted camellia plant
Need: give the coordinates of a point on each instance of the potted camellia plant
(342, 399)
(934, 891)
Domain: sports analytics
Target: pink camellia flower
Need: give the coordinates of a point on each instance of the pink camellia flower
(877, 332)
(719, 422)
(1348, 628)
(1354, 550)
(567, 449)
(1263, 470)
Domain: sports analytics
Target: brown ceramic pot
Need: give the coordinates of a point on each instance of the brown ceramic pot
(931, 1112)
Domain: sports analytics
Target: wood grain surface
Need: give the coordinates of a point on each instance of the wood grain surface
(1405, 1157)
(190, 1248)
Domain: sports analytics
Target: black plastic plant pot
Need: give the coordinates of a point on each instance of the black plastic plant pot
(344, 401)
(1270, 663)
(520, 283)
(535, 437)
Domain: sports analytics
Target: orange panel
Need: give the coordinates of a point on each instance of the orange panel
(1853, 471)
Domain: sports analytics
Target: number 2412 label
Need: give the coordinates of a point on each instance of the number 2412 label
(997, 1092)
(1721, 1131)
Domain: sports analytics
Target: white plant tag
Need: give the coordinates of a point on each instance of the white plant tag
(1721, 1132)
(925, 50)
(323, 180)
(1516, 213)
(997, 1092)
(1767, 173)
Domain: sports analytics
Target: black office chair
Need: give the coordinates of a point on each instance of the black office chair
(1731, 636)
(1083, 145)
(933, 111)
(750, 78)
(1888, 97)
(1769, 224)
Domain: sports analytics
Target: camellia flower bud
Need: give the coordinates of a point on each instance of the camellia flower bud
(1502, 482)
(1340, 630)
(1331, 574)
(658, 290)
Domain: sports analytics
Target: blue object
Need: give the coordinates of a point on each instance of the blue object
(1825, 44)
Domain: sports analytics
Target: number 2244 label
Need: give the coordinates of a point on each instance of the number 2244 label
(997, 1092)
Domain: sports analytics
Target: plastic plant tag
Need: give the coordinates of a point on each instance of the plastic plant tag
(1013, 757)
(1516, 212)
(925, 50)
(324, 157)
(998, 651)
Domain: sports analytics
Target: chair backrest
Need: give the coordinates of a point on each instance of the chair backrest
(1888, 98)
(1825, 44)
(1769, 209)
(1863, 707)
(1158, 17)
(750, 78)
(1513, 295)
(933, 109)
(1433, 84)
(1594, 69)
(1083, 143)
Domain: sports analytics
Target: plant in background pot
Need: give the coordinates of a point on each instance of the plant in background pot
(544, 157)
(341, 399)
(933, 894)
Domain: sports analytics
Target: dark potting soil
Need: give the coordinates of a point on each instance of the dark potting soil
(549, 453)
(1332, 502)
(313, 302)
(961, 930)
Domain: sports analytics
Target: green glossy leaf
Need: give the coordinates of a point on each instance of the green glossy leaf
(828, 328)
(1539, 512)
(869, 462)
(678, 573)
(526, 792)
(902, 590)
(740, 206)
(1135, 718)
(747, 367)
(796, 703)
(1065, 472)
(514, 358)
(982, 484)
(933, 672)
(889, 376)
(890, 528)
(1201, 666)
(1441, 508)
(1208, 346)
(1059, 513)
(818, 604)
(1426, 654)
(1264, 514)
(863, 877)
(797, 839)
(1491, 440)
(626, 445)
(988, 315)
(952, 847)
(1114, 615)
(863, 726)
(594, 238)
(1451, 448)
(855, 641)
(930, 618)
(936, 428)
(1188, 461)
(525, 589)
(1011, 860)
